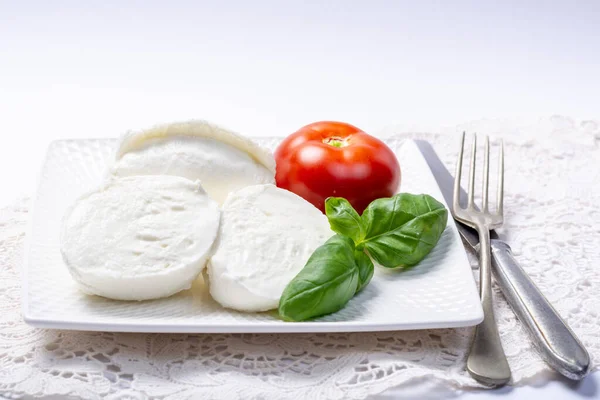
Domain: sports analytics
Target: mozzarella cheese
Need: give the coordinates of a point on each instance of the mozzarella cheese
(266, 236)
(140, 237)
(222, 160)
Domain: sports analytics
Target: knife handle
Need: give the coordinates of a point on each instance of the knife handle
(553, 338)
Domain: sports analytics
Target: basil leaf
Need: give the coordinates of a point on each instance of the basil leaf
(325, 284)
(401, 230)
(365, 268)
(343, 218)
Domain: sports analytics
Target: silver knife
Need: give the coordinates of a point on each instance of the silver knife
(553, 338)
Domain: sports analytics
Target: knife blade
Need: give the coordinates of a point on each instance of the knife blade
(554, 340)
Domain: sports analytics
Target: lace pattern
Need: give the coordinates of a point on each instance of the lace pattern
(552, 223)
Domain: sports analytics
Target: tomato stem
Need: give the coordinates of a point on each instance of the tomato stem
(336, 141)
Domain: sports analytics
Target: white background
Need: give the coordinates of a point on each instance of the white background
(96, 69)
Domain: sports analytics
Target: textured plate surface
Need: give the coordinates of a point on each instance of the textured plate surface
(438, 293)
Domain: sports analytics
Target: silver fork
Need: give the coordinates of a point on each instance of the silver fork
(487, 362)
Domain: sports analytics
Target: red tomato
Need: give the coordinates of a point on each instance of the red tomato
(328, 158)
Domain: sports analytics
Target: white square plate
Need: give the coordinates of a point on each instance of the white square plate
(438, 293)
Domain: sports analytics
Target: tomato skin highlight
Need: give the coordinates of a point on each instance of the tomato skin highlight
(330, 158)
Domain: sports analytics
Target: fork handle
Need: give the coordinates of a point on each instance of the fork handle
(557, 344)
(487, 362)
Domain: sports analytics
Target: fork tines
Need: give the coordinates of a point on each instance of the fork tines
(485, 186)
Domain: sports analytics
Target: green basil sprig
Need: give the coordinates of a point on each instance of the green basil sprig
(396, 232)
(327, 282)
(365, 269)
(344, 219)
(402, 230)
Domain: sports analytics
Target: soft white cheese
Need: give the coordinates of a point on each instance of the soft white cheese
(223, 161)
(266, 236)
(140, 237)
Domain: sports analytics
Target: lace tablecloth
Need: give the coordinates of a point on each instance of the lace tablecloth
(552, 223)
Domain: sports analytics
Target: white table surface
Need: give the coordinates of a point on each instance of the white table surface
(76, 70)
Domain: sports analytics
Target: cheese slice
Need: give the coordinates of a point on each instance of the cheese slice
(266, 236)
(139, 238)
(223, 161)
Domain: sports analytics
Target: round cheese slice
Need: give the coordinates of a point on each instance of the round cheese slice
(266, 236)
(139, 238)
(223, 161)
